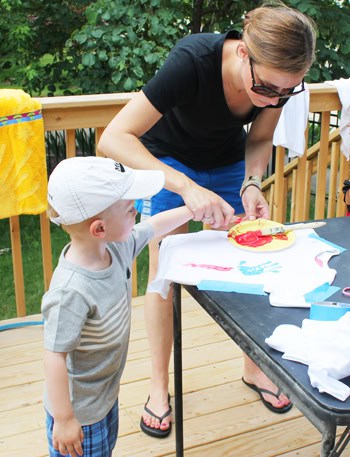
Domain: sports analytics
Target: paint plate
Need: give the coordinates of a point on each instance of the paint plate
(274, 243)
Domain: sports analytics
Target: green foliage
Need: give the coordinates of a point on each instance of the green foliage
(122, 44)
(332, 18)
(31, 30)
(219, 15)
(104, 46)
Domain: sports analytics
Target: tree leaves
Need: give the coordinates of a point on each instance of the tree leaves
(116, 45)
(127, 42)
(88, 60)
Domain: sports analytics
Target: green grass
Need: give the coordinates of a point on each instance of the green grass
(32, 264)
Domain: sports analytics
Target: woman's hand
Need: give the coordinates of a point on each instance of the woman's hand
(255, 205)
(67, 437)
(207, 206)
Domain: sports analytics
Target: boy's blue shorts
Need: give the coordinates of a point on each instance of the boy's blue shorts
(99, 438)
(224, 181)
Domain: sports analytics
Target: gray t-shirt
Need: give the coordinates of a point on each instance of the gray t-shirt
(87, 315)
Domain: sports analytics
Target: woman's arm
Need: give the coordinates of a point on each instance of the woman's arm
(257, 156)
(67, 435)
(120, 141)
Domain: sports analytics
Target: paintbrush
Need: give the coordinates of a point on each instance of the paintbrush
(288, 228)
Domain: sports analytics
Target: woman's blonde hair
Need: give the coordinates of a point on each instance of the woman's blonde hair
(280, 37)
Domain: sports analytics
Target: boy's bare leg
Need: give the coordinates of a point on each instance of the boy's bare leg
(159, 326)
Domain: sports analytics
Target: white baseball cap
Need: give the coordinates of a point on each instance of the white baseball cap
(81, 187)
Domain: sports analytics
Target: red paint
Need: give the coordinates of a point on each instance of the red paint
(255, 239)
(208, 267)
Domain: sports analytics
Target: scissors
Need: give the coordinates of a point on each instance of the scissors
(346, 291)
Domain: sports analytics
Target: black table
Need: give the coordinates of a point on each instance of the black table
(249, 319)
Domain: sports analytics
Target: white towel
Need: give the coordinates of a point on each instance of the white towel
(322, 345)
(343, 88)
(290, 130)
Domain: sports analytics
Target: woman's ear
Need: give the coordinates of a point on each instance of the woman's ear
(242, 51)
(98, 228)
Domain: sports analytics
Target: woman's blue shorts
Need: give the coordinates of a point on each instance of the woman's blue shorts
(224, 181)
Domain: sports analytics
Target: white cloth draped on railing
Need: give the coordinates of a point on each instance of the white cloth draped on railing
(290, 129)
(343, 88)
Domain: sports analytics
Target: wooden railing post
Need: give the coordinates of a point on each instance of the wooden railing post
(344, 173)
(98, 134)
(46, 251)
(293, 201)
(70, 143)
(333, 176)
(308, 176)
(300, 185)
(322, 167)
(278, 203)
(17, 265)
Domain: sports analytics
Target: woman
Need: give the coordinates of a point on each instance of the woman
(189, 122)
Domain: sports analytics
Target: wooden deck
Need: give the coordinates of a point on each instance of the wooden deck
(222, 417)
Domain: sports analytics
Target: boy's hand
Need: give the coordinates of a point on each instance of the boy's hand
(67, 437)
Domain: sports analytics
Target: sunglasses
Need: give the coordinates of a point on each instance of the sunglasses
(267, 92)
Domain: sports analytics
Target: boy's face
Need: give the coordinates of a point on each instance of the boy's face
(120, 219)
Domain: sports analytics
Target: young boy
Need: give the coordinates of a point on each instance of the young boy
(87, 308)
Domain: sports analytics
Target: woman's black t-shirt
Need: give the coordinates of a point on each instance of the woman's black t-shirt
(197, 128)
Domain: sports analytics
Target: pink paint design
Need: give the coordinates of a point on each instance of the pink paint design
(319, 261)
(208, 267)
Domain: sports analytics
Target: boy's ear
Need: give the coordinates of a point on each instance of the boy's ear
(98, 228)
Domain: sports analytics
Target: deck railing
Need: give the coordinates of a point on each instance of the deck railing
(323, 167)
(291, 181)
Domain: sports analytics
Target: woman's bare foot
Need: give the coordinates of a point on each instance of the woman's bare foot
(157, 416)
(255, 377)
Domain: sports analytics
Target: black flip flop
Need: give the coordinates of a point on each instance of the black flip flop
(156, 432)
(268, 405)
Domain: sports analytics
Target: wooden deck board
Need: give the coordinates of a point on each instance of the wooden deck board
(223, 418)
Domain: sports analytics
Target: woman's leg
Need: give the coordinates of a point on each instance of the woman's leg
(226, 182)
(253, 375)
(159, 326)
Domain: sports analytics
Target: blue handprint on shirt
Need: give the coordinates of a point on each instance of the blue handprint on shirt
(266, 267)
